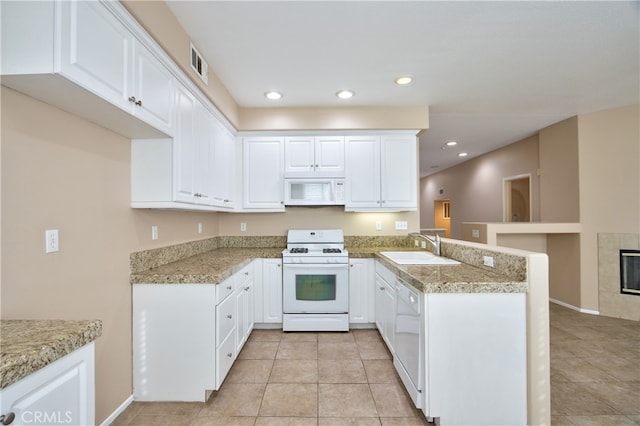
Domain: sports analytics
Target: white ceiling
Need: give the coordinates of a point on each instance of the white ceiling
(491, 73)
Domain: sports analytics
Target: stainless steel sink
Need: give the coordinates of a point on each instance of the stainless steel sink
(417, 258)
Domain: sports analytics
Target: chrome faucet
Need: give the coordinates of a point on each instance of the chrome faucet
(435, 242)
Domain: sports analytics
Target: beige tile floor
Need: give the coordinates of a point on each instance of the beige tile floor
(348, 379)
(595, 369)
(297, 379)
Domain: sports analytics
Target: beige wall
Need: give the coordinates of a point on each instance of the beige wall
(62, 172)
(355, 118)
(475, 186)
(559, 187)
(609, 180)
(324, 217)
(162, 25)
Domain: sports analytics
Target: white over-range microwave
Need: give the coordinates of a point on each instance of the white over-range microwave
(314, 191)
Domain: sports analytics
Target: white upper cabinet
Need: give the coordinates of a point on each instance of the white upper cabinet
(193, 170)
(153, 90)
(101, 61)
(223, 174)
(362, 179)
(381, 173)
(308, 156)
(399, 172)
(263, 173)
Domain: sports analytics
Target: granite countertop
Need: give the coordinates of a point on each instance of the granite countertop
(29, 345)
(462, 278)
(211, 267)
(217, 265)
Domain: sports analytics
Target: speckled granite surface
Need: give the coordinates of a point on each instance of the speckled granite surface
(29, 345)
(463, 278)
(212, 267)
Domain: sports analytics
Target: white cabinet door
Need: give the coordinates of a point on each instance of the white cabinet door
(63, 392)
(314, 156)
(171, 321)
(263, 173)
(272, 290)
(185, 149)
(299, 155)
(244, 305)
(96, 51)
(361, 291)
(329, 156)
(399, 178)
(204, 156)
(153, 89)
(362, 180)
(223, 167)
(381, 173)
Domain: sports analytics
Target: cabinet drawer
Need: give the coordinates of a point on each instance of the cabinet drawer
(225, 319)
(245, 274)
(385, 273)
(225, 355)
(225, 288)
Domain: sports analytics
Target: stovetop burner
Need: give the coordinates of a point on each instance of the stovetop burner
(297, 250)
(331, 250)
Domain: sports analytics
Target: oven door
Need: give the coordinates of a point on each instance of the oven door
(315, 288)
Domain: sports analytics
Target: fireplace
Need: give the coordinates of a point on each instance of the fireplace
(630, 272)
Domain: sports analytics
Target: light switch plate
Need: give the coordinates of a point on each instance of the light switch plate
(154, 232)
(378, 225)
(243, 227)
(475, 233)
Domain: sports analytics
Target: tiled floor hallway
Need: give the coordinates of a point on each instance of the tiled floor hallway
(298, 379)
(348, 379)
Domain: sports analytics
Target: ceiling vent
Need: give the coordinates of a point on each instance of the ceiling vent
(199, 65)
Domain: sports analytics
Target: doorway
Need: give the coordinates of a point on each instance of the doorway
(442, 216)
(517, 199)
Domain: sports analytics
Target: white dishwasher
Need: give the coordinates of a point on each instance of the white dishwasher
(408, 341)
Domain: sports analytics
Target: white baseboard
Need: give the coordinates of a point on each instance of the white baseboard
(112, 417)
(575, 308)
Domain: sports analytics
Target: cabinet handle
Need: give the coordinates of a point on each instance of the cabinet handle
(226, 201)
(382, 288)
(246, 273)
(230, 355)
(7, 419)
(133, 99)
(229, 287)
(229, 316)
(247, 288)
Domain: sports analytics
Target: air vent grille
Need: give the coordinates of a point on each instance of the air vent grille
(199, 65)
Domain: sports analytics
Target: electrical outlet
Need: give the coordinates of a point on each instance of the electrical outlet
(401, 224)
(475, 233)
(243, 227)
(416, 243)
(378, 225)
(424, 244)
(52, 242)
(488, 261)
(199, 228)
(154, 232)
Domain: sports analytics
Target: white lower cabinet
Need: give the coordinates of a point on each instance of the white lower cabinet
(475, 358)
(270, 298)
(361, 292)
(385, 301)
(63, 392)
(186, 336)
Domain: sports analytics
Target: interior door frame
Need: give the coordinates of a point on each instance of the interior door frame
(506, 195)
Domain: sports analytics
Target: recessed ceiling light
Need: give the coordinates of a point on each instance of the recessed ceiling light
(345, 94)
(452, 143)
(462, 154)
(403, 80)
(274, 96)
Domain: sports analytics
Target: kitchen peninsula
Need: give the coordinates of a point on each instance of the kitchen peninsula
(241, 268)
